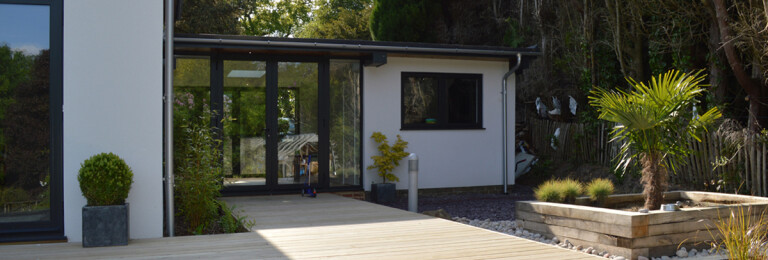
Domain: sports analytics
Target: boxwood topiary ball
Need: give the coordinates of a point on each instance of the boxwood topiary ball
(105, 179)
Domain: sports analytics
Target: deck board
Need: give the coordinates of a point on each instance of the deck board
(326, 227)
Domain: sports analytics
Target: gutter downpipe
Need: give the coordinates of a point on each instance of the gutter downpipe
(168, 122)
(505, 146)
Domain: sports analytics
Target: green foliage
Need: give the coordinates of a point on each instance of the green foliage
(599, 189)
(230, 222)
(513, 37)
(13, 194)
(339, 19)
(549, 192)
(105, 179)
(198, 174)
(403, 20)
(390, 156)
(559, 191)
(570, 189)
(209, 16)
(274, 18)
(655, 123)
(656, 117)
(743, 233)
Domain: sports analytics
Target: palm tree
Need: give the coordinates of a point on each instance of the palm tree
(654, 123)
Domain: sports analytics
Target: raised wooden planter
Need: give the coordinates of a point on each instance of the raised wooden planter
(633, 234)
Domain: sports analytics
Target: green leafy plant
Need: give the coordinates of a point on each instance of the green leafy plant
(599, 189)
(105, 179)
(549, 191)
(198, 176)
(231, 222)
(389, 157)
(743, 233)
(654, 124)
(570, 189)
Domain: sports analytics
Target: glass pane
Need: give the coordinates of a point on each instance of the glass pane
(420, 100)
(244, 146)
(297, 123)
(345, 123)
(462, 101)
(25, 128)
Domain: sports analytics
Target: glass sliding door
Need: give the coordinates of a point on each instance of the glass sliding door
(244, 123)
(298, 150)
(281, 123)
(344, 123)
(25, 129)
(31, 206)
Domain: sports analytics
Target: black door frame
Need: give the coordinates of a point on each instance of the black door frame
(52, 229)
(323, 95)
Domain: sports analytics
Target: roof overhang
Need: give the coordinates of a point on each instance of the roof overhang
(374, 52)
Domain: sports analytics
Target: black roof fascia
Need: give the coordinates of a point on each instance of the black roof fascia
(344, 46)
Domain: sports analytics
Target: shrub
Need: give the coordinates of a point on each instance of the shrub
(570, 189)
(105, 179)
(390, 156)
(198, 175)
(549, 192)
(599, 189)
(744, 234)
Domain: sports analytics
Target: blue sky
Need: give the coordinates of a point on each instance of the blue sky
(25, 27)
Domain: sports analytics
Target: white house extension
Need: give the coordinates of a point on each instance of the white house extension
(84, 77)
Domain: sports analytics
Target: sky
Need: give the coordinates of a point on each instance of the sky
(25, 27)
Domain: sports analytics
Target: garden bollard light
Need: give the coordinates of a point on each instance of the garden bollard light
(413, 182)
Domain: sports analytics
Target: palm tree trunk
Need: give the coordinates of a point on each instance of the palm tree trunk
(654, 180)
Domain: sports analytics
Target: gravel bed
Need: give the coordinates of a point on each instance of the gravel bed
(495, 207)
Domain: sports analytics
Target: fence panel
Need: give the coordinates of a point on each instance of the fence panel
(745, 170)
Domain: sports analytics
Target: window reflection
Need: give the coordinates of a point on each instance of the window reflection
(25, 130)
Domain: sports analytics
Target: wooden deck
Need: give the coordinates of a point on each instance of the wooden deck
(330, 226)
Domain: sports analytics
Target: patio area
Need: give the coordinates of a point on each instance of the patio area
(329, 226)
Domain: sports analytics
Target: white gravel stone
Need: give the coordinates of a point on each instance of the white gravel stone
(665, 258)
(682, 252)
(622, 258)
(638, 258)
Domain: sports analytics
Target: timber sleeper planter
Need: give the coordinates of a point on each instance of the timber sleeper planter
(634, 234)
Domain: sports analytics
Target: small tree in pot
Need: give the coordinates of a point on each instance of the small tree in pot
(105, 181)
(385, 163)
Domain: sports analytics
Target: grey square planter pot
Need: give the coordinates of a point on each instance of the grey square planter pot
(382, 192)
(105, 225)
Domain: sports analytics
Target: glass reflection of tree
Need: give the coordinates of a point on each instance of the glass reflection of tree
(24, 126)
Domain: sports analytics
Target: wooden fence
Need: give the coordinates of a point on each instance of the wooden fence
(718, 163)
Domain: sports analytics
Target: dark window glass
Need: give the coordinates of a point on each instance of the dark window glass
(441, 101)
(462, 101)
(25, 126)
(420, 100)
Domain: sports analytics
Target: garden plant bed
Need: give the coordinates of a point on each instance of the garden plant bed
(634, 234)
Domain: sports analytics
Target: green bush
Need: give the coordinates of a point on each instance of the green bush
(599, 189)
(549, 192)
(198, 176)
(559, 191)
(390, 156)
(570, 189)
(105, 179)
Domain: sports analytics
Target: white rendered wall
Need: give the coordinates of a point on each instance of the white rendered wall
(447, 158)
(113, 102)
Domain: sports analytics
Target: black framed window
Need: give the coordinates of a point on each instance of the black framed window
(31, 120)
(441, 101)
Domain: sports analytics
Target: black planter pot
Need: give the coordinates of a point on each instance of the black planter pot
(383, 192)
(105, 225)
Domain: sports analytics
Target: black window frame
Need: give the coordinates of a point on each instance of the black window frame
(52, 229)
(442, 104)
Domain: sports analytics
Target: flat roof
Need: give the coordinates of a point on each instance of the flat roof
(334, 47)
